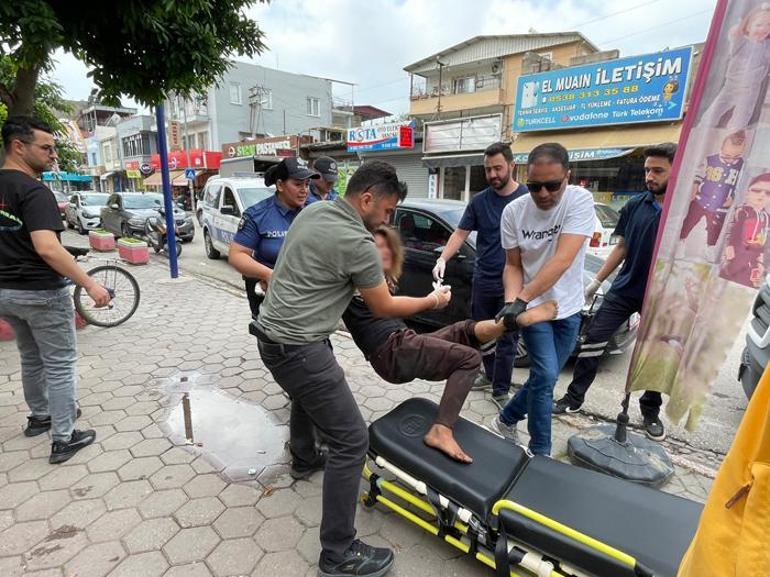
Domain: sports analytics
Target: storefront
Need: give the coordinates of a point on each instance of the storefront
(288, 145)
(205, 163)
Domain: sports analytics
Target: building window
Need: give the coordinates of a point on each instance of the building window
(235, 93)
(465, 85)
(107, 153)
(546, 55)
(267, 100)
(137, 145)
(313, 106)
(93, 159)
(203, 140)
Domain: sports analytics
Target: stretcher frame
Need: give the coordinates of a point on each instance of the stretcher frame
(462, 529)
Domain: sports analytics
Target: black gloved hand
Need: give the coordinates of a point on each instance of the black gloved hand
(509, 313)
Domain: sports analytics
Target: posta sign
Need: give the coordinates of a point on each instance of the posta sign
(382, 137)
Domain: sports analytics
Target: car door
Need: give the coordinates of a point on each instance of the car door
(228, 223)
(71, 210)
(110, 215)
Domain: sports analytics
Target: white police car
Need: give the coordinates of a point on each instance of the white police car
(223, 203)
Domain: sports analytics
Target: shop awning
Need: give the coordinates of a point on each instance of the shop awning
(156, 179)
(106, 175)
(448, 160)
(601, 144)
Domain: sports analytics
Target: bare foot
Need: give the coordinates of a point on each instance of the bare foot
(440, 437)
(546, 311)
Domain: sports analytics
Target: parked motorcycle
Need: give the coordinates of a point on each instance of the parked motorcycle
(155, 233)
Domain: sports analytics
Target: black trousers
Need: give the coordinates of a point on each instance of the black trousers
(255, 300)
(613, 312)
(321, 399)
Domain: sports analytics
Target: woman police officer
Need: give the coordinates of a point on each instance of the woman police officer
(262, 228)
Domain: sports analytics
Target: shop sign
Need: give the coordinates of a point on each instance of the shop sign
(146, 169)
(133, 174)
(647, 88)
(394, 136)
(174, 135)
(582, 154)
(260, 146)
(466, 134)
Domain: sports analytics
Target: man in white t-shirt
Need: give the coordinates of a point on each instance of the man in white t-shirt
(544, 235)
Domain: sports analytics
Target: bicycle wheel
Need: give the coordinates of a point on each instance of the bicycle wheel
(125, 297)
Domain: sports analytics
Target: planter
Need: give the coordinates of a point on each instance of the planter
(101, 241)
(133, 251)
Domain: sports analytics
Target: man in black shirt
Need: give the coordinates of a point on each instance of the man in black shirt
(33, 294)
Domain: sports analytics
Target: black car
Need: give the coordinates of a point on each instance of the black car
(126, 213)
(756, 354)
(425, 227)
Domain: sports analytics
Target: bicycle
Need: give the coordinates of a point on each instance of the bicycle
(122, 286)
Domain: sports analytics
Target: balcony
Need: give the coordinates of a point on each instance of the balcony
(456, 95)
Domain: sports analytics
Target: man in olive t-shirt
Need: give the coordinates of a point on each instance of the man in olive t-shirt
(328, 254)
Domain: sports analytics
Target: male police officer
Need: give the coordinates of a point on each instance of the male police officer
(323, 188)
(636, 231)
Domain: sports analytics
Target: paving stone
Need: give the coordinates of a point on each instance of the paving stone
(238, 522)
(151, 564)
(283, 563)
(110, 461)
(420, 561)
(127, 494)
(311, 488)
(94, 485)
(122, 441)
(177, 456)
(140, 468)
(234, 557)
(237, 495)
(279, 503)
(56, 549)
(151, 447)
(162, 503)
(6, 520)
(150, 535)
(79, 514)
(14, 494)
(11, 567)
(279, 534)
(22, 536)
(96, 561)
(190, 545)
(30, 470)
(44, 573)
(309, 546)
(191, 570)
(117, 403)
(202, 466)
(42, 505)
(11, 459)
(197, 512)
(113, 525)
(133, 423)
(402, 535)
(172, 476)
(205, 486)
(309, 513)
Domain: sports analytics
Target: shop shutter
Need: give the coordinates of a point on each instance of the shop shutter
(411, 170)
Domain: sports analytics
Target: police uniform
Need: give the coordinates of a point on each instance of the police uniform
(262, 229)
(313, 196)
(326, 167)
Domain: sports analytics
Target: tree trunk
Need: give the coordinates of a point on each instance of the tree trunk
(23, 92)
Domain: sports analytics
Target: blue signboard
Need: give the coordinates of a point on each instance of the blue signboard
(189, 173)
(647, 88)
(582, 154)
(395, 136)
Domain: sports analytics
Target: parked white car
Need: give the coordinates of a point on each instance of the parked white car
(224, 202)
(83, 212)
(603, 240)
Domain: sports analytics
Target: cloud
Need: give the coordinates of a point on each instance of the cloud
(369, 43)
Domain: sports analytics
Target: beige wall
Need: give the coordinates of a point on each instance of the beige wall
(456, 102)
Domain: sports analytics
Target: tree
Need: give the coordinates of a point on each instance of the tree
(141, 48)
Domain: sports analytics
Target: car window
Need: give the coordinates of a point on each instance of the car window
(229, 199)
(252, 195)
(607, 215)
(421, 232)
(74, 199)
(142, 201)
(211, 197)
(93, 199)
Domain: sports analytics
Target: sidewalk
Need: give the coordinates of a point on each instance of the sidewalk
(144, 501)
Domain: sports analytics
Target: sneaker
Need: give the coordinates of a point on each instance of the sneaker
(37, 426)
(563, 406)
(360, 559)
(482, 383)
(303, 472)
(506, 431)
(501, 400)
(654, 428)
(64, 450)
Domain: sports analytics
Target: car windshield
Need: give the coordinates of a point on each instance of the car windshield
(142, 201)
(607, 215)
(94, 199)
(251, 196)
(453, 218)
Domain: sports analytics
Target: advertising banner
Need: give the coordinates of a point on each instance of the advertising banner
(647, 88)
(269, 146)
(381, 137)
(712, 251)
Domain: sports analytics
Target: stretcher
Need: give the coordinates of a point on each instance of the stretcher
(523, 515)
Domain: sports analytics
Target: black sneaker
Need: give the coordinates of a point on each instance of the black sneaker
(563, 406)
(64, 450)
(302, 472)
(654, 428)
(361, 560)
(37, 426)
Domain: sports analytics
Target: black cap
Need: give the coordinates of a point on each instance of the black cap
(297, 168)
(326, 167)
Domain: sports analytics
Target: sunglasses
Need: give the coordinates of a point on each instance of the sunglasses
(550, 185)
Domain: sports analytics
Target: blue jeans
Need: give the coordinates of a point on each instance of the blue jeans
(44, 322)
(486, 302)
(549, 345)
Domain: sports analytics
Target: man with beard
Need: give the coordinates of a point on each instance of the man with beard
(329, 254)
(637, 230)
(483, 215)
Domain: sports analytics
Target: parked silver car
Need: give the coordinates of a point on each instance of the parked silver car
(83, 211)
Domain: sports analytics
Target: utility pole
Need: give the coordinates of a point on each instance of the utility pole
(257, 99)
(440, 87)
(190, 183)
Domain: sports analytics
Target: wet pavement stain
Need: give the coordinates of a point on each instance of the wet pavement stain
(239, 436)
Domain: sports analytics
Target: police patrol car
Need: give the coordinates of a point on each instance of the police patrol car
(224, 201)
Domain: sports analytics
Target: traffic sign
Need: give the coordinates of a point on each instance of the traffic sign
(189, 173)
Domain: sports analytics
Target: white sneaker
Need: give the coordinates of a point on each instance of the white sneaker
(505, 431)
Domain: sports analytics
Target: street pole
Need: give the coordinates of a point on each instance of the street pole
(190, 183)
(168, 203)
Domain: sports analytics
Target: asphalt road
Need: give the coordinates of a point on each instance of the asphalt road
(718, 424)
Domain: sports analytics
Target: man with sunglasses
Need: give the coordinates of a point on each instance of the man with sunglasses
(544, 235)
(637, 231)
(33, 294)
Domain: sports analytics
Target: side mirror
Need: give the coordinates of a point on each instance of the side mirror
(115, 206)
(227, 209)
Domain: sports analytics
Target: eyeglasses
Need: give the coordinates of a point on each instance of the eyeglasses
(550, 185)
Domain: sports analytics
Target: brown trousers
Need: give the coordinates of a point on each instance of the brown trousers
(449, 353)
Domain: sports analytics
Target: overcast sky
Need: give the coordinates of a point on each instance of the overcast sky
(370, 42)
